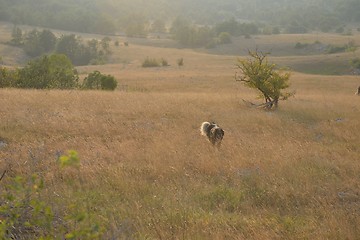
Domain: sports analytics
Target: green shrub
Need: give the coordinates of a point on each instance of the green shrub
(349, 47)
(53, 71)
(335, 49)
(25, 213)
(150, 62)
(180, 62)
(355, 63)
(300, 45)
(8, 78)
(108, 83)
(164, 62)
(97, 80)
(224, 38)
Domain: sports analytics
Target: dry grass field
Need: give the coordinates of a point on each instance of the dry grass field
(146, 173)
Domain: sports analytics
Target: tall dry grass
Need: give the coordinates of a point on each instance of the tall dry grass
(147, 173)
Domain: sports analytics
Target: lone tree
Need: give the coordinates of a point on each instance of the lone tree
(258, 73)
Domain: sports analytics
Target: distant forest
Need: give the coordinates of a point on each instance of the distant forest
(133, 16)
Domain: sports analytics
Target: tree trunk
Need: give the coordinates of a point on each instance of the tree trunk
(276, 102)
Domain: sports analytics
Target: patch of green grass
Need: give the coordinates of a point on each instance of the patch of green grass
(221, 198)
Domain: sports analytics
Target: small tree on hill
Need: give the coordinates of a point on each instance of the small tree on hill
(17, 37)
(48, 40)
(32, 45)
(258, 73)
(224, 38)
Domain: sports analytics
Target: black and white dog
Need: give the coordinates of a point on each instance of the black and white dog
(213, 132)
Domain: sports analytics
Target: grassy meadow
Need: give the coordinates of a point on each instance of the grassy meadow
(146, 173)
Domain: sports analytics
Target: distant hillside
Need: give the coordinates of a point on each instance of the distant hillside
(109, 16)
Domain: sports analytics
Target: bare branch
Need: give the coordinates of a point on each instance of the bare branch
(3, 175)
(262, 105)
(240, 79)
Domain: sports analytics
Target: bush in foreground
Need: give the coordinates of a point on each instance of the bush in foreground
(25, 213)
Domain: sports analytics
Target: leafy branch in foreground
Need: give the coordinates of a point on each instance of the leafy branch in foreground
(258, 73)
(25, 212)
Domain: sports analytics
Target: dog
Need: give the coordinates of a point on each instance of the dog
(358, 91)
(213, 132)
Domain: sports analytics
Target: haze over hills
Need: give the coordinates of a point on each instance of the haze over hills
(219, 27)
(108, 16)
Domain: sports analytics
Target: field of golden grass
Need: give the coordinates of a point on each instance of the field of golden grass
(146, 173)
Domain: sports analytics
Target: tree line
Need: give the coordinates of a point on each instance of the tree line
(193, 35)
(108, 16)
(36, 43)
(53, 71)
(79, 16)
